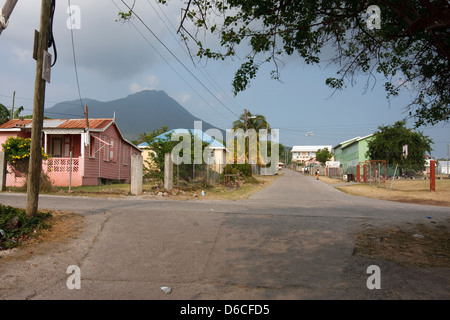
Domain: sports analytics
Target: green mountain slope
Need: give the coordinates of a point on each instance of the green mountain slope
(138, 113)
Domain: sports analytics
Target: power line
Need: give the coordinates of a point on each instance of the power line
(74, 57)
(167, 62)
(179, 61)
(202, 69)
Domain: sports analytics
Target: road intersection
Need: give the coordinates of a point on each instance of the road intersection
(291, 240)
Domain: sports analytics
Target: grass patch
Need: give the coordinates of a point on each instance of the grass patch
(419, 245)
(17, 228)
(411, 191)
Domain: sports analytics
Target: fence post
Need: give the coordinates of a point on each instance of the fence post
(2, 171)
(168, 171)
(136, 174)
(432, 176)
(70, 171)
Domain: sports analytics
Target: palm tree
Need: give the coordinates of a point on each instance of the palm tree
(256, 122)
(6, 115)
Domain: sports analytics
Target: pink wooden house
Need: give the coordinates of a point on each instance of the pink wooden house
(80, 153)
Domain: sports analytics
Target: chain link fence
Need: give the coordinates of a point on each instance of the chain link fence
(197, 175)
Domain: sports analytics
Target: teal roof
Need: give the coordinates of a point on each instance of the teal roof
(213, 143)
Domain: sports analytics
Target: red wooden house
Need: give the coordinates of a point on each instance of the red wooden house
(80, 153)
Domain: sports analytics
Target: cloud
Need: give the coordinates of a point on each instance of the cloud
(184, 97)
(103, 46)
(22, 55)
(150, 82)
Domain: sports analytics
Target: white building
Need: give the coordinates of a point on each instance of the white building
(444, 167)
(305, 153)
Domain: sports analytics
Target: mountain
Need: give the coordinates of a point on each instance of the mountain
(141, 112)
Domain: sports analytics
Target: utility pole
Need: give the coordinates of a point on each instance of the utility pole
(248, 139)
(12, 110)
(34, 170)
(5, 13)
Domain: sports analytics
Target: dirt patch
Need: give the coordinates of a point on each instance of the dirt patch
(403, 191)
(62, 226)
(421, 245)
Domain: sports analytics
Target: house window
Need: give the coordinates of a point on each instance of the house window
(126, 154)
(111, 150)
(92, 147)
(106, 152)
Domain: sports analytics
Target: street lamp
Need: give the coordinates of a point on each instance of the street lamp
(246, 131)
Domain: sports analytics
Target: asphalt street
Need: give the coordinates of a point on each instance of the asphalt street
(292, 240)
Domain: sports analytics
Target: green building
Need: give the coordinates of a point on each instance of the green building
(349, 153)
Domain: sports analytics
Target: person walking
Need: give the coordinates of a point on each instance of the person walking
(317, 174)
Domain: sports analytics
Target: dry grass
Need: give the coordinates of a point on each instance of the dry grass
(218, 192)
(221, 192)
(420, 245)
(412, 191)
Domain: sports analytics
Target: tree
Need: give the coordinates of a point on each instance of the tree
(255, 122)
(323, 155)
(6, 115)
(160, 145)
(148, 136)
(387, 144)
(411, 49)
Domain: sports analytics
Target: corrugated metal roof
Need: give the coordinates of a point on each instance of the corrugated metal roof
(51, 123)
(81, 123)
(16, 123)
(59, 123)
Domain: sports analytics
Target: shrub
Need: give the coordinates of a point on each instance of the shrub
(238, 168)
(17, 154)
(16, 227)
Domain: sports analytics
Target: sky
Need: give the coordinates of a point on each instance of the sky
(114, 60)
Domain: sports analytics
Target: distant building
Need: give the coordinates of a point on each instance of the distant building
(306, 154)
(349, 153)
(443, 167)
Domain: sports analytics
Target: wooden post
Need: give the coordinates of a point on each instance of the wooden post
(432, 175)
(248, 139)
(6, 13)
(2, 171)
(34, 170)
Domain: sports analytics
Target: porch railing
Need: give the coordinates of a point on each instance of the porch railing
(57, 169)
(64, 171)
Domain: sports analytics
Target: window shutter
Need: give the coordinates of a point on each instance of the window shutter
(111, 151)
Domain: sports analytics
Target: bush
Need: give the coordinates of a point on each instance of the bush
(241, 169)
(16, 227)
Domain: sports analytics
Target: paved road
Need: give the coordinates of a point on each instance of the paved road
(292, 240)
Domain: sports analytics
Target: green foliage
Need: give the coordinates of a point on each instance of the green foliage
(256, 122)
(411, 50)
(240, 169)
(17, 153)
(15, 226)
(387, 144)
(6, 115)
(323, 155)
(162, 145)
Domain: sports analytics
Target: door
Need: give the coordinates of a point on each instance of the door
(57, 147)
